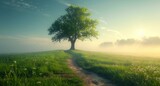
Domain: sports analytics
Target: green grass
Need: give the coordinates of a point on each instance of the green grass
(120, 69)
(51, 69)
(37, 69)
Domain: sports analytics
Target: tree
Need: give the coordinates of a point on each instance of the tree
(76, 24)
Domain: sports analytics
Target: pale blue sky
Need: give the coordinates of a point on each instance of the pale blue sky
(24, 23)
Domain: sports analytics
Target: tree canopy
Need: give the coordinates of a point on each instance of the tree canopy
(76, 24)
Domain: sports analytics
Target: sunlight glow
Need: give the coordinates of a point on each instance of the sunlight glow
(140, 33)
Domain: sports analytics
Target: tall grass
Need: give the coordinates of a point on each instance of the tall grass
(120, 69)
(37, 69)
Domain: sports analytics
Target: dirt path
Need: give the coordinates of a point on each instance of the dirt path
(89, 78)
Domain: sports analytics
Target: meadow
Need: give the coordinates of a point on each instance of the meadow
(50, 68)
(37, 69)
(120, 69)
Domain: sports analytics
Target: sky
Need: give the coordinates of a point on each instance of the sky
(24, 24)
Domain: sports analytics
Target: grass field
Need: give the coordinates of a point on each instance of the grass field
(37, 69)
(120, 69)
(50, 69)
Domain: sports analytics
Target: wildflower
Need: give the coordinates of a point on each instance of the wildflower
(34, 68)
(40, 74)
(15, 62)
(38, 82)
(25, 68)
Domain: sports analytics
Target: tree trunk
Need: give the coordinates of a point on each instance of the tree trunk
(72, 45)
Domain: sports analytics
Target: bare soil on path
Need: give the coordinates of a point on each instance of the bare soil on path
(89, 78)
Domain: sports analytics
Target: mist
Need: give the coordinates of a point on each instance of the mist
(148, 47)
(151, 51)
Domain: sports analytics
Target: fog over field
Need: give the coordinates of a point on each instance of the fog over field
(145, 47)
(151, 51)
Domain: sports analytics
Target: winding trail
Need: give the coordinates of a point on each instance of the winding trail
(89, 78)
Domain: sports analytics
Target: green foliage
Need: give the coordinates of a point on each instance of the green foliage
(76, 24)
(37, 69)
(120, 69)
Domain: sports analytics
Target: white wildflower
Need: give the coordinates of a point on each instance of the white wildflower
(15, 62)
(25, 68)
(38, 82)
